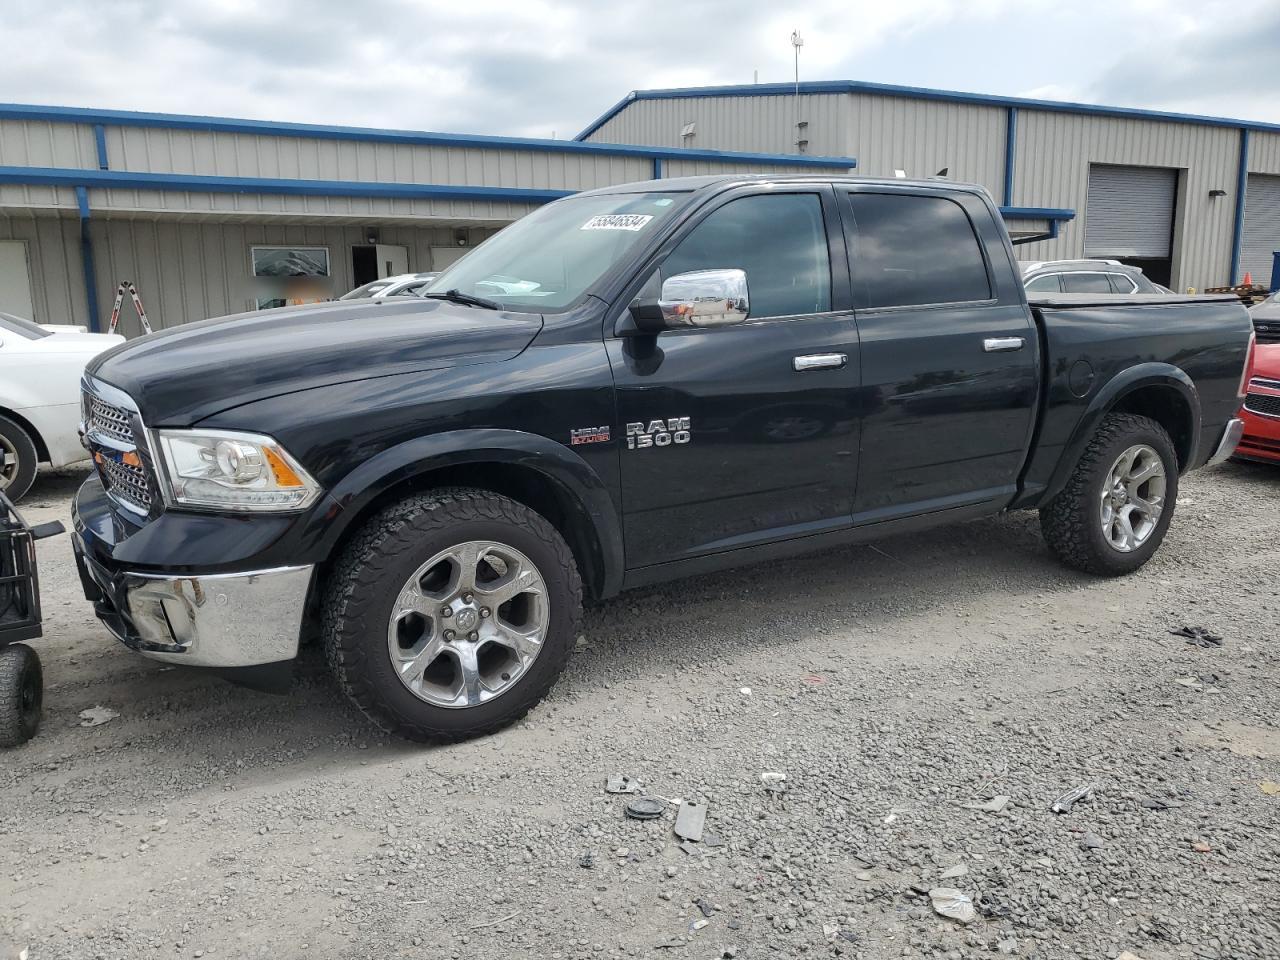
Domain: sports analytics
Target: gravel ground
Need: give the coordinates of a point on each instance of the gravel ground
(892, 685)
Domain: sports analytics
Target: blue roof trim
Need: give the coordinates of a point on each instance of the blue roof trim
(1037, 213)
(122, 179)
(131, 118)
(919, 93)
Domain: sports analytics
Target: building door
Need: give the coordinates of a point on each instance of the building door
(1129, 217)
(1261, 228)
(393, 260)
(15, 279)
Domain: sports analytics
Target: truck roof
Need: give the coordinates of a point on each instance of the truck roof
(722, 180)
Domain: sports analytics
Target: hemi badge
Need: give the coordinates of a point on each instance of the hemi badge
(588, 435)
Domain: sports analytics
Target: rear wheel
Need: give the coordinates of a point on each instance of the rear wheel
(21, 694)
(1114, 511)
(18, 463)
(451, 614)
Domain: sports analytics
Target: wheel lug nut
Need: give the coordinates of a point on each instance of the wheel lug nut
(446, 612)
(473, 636)
(484, 611)
(449, 635)
(467, 598)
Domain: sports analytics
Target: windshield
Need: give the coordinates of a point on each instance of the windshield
(23, 328)
(549, 259)
(371, 289)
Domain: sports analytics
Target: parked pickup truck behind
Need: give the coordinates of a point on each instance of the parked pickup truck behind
(627, 386)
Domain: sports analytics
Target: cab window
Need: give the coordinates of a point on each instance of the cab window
(778, 240)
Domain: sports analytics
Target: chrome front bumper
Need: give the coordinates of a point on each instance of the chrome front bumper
(1230, 439)
(216, 620)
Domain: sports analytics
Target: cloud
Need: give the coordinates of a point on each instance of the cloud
(541, 66)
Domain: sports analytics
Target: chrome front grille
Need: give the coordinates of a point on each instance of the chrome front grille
(124, 482)
(115, 436)
(108, 420)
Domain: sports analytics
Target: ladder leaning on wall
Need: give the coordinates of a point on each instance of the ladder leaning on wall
(137, 305)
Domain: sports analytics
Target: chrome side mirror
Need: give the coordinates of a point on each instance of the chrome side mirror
(700, 298)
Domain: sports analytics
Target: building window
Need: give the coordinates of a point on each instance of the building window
(286, 276)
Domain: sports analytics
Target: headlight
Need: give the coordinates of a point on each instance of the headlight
(226, 470)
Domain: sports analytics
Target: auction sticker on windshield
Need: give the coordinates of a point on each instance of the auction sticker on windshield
(618, 221)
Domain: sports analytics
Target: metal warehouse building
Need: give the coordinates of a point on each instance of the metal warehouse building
(199, 212)
(196, 210)
(1193, 200)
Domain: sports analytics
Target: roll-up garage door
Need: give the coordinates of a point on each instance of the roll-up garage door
(1261, 227)
(1129, 212)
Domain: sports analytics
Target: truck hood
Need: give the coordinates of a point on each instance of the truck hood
(182, 375)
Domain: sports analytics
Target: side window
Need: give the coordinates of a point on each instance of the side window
(914, 250)
(779, 240)
(1121, 284)
(1049, 283)
(1085, 283)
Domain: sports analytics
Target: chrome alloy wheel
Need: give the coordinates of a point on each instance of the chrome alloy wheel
(1132, 498)
(468, 624)
(9, 472)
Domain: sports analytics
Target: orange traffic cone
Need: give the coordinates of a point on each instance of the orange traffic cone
(1248, 279)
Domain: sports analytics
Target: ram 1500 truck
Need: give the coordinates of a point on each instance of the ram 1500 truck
(629, 385)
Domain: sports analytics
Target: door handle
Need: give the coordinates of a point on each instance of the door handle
(820, 361)
(1003, 344)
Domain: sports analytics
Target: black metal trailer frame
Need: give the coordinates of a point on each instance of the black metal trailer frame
(21, 676)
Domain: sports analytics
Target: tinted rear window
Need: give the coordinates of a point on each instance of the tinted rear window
(1085, 283)
(915, 250)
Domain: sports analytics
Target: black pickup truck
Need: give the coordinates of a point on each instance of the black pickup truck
(627, 386)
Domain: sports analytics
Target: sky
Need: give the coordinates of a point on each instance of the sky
(545, 68)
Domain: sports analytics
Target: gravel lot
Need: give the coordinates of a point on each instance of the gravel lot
(890, 684)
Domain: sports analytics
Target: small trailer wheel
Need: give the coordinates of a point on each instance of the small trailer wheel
(21, 694)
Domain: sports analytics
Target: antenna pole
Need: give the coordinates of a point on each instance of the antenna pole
(797, 42)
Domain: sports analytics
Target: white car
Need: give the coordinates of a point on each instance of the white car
(401, 285)
(40, 374)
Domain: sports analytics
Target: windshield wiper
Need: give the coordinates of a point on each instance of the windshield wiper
(457, 296)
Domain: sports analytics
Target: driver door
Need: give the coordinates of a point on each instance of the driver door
(744, 434)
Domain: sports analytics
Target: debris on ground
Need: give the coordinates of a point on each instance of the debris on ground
(1069, 799)
(1128, 955)
(97, 716)
(690, 819)
(1200, 846)
(587, 861)
(1198, 636)
(959, 870)
(706, 908)
(774, 782)
(621, 784)
(645, 808)
(1159, 803)
(950, 902)
(1007, 946)
(994, 805)
(698, 924)
(1091, 841)
(1270, 788)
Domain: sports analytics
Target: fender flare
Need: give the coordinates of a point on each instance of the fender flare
(1130, 380)
(582, 486)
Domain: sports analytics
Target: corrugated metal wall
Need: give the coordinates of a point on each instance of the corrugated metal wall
(53, 257)
(185, 271)
(754, 124)
(1052, 169)
(924, 136)
(190, 271)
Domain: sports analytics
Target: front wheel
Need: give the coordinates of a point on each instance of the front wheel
(451, 614)
(1114, 511)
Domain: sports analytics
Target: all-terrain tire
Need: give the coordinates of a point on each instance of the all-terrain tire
(1071, 521)
(22, 465)
(21, 694)
(380, 559)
